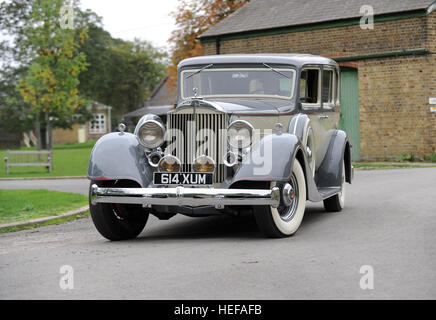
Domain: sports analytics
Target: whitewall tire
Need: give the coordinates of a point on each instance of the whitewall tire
(285, 220)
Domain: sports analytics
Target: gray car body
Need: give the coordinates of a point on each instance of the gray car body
(120, 155)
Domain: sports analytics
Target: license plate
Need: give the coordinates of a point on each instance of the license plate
(183, 178)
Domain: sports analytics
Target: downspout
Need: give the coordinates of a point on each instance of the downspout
(218, 45)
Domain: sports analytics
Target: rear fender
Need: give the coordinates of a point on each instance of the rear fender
(330, 172)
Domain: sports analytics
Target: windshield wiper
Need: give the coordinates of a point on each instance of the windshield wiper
(276, 71)
(198, 71)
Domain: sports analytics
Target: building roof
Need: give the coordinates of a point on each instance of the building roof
(271, 14)
(162, 94)
(95, 105)
(273, 58)
(157, 110)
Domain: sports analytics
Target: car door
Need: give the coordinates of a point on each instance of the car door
(329, 118)
(310, 99)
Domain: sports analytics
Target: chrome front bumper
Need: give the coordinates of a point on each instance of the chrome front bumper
(182, 196)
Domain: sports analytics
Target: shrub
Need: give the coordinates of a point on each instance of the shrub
(431, 157)
(407, 157)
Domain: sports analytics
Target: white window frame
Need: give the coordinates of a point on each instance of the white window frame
(101, 124)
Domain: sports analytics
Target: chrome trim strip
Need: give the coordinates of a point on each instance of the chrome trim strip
(182, 196)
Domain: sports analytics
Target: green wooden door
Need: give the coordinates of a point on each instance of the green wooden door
(350, 108)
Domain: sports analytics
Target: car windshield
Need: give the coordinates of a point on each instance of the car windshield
(238, 82)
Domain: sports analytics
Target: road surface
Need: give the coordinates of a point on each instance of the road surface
(389, 224)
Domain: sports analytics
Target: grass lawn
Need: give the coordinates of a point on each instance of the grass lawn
(369, 165)
(20, 205)
(68, 160)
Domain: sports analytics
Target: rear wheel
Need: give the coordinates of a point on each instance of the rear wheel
(337, 202)
(285, 220)
(118, 221)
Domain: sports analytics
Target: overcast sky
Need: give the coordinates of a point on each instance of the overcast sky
(144, 19)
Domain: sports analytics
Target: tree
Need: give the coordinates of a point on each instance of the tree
(50, 84)
(139, 69)
(193, 17)
(43, 61)
(118, 73)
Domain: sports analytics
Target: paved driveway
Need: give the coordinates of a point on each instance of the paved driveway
(389, 224)
(65, 185)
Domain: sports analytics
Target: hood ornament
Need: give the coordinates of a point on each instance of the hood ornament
(278, 127)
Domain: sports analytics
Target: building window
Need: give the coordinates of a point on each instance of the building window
(98, 123)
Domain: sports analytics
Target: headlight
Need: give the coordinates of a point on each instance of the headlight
(240, 134)
(151, 134)
(169, 164)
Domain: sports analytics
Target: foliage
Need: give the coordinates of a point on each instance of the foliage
(430, 157)
(119, 73)
(134, 69)
(50, 85)
(193, 17)
(409, 157)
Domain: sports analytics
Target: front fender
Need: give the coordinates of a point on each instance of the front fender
(118, 156)
(271, 159)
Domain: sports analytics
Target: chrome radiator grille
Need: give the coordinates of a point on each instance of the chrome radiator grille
(209, 128)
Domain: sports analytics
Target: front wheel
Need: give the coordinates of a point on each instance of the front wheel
(118, 221)
(285, 220)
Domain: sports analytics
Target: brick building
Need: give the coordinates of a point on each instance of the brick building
(388, 72)
(98, 126)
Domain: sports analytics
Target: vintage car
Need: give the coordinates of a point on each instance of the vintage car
(250, 133)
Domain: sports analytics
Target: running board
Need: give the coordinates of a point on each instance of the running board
(328, 192)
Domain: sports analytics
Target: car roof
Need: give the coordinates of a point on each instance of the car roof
(297, 60)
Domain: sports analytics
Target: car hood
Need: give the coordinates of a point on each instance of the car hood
(243, 106)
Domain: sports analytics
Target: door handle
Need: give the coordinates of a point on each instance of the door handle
(323, 117)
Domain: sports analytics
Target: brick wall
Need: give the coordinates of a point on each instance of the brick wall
(430, 77)
(386, 36)
(62, 136)
(393, 106)
(393, 92)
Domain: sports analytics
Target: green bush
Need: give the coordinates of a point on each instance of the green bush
(431, 157)
(407, 157)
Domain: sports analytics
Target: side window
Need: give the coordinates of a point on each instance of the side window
(329, 86)
(309, 84)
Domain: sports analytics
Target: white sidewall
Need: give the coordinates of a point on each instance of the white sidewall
(290, 227)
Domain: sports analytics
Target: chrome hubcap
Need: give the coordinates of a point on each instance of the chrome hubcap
(289, 201)
(288, 195)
